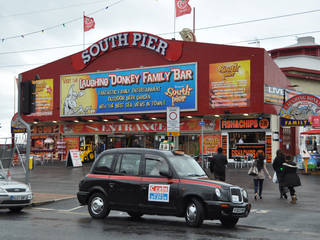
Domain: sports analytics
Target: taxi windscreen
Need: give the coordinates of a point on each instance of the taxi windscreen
(186, 166)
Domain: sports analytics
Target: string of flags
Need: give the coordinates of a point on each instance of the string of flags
(182, 7)
(90, 22)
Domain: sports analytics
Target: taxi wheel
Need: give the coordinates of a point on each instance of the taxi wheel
(98, 205)
(135, 215)
(194, 213)
(229, 222)
(15, 209)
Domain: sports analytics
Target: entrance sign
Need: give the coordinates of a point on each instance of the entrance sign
(173, 121)
(299, 109)
(139, 90)
(191, 125)
(73, 158)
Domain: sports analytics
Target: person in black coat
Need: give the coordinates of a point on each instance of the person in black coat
(277, 167)
(218, 165)
(290, 177)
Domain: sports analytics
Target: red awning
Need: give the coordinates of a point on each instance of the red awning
(311, 132)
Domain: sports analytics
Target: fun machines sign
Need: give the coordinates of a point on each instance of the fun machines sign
(129, 91)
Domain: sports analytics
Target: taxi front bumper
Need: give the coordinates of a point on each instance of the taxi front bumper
(216, 209)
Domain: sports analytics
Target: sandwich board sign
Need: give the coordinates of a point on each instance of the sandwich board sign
(73, 158)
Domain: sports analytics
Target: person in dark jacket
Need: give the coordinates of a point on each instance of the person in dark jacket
(218, 165)
(102, 147)
(277, 167)
(290, 177)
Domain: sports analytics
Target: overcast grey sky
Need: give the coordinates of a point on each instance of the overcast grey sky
(216, 22)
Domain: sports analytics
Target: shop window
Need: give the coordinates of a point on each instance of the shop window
(151, 142)
(243, 144)
(189, 144)
(246, 137)
(129, 164)
(312, 144)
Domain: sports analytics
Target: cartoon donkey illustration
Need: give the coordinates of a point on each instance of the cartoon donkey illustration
(70, 102)
(301, 112)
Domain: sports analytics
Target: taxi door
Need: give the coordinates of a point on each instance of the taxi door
(159, 193)
(124, 185)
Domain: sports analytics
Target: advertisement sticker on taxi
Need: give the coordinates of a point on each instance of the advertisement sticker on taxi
(158, 193)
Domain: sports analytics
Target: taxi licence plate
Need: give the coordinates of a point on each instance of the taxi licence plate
(238, 210)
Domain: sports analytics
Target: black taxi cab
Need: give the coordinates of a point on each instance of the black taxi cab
(158, 182)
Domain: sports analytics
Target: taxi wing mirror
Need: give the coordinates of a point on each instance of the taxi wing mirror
(165, 173)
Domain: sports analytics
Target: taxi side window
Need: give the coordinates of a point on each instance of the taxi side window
(104, 164)
(153, 165)
(128, 164)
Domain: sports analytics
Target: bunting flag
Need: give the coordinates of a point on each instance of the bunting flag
(88, 23)
(182, 7)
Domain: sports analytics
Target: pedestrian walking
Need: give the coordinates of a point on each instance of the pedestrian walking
(102, 147)
(218, 165)
(258, 180)
(290, 177)
(277, 167)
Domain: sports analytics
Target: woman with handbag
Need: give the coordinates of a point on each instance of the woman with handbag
(258, 180)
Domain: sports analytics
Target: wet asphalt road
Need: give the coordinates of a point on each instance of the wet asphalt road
(67, 220)
(271, 218)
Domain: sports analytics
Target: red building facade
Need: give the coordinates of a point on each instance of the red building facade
(117, 92)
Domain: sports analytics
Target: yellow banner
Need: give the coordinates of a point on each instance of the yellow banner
(211, 142)
(229, 84)
(43, 97)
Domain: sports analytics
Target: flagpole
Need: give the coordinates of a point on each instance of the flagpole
(83, 31)
(174, 21)
(194, 21)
